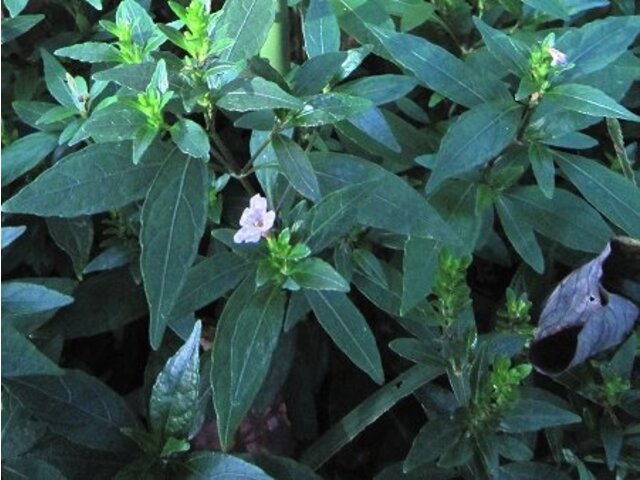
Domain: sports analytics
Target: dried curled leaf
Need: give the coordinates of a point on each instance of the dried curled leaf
(581, 317)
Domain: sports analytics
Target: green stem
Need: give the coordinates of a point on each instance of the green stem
(276, 47)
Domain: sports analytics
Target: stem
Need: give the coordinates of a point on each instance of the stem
(276, 47)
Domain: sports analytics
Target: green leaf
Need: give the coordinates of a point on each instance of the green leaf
(283, 468)
(209, 280)
(356, 18)
(320, 29)
(613, 195)
(433, 439)
(543, 168)
(256, 94)
(520, 235)
(295, 165)
(586, 49)
(12, 28)
(95, 179)
(25, 154)
(173, 219)
(589, 101)
(191, 138)
(90, 52)
(130, 13)
(406, 211)
(531, 414)
(78, 407)
(366, 413)
(439, 70)
(75, 237)
(103, 302)
(114, 123)
(348, 329)
(419, 267)
(20, 357)
(565, 218)
(317, 72)
(135, 76)
(246, 337)
(532, 471)
(316, 274)
(246, 23)
(553, 8)
(477, 136)
(21, 298)
(174, 400)
(374, 126)
(329, 108)
(510, 52)
(380, 89)
(216, 466)
(56, 79)
(20, 468)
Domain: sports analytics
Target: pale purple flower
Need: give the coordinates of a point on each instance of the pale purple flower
(557, 57)
(255, 221)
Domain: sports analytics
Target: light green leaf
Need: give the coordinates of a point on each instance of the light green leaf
(348, 329)
(477, 136)
(90, 52)
(246, 23)
(295, 165)
(173, 219)
(320, 29)
(11, 234)
(520, 235)
(174, 400)
(78, 407)
(316, 274)
(615, 196)
(26, 153)
(15, 6)
(440, 70)
(95, 179)
(589, 101)
(191, 138)
(246, 337)
(256, 94)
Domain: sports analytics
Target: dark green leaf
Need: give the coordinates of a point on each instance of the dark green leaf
(616, 197)
(479, 135)
(75, 237)
(22, 298)
(135, 76)
(552, 8)
(14, 27)
(283, 468)
(11, 234)
(173, 219)
(174, 398)
(56, 78)
(256, 94)
(433, 440)
(366, 413)
(507, 50)
(15, 6)
(20, 357)
(320, 29)
(419, 267)
(520, 235)
(316, 274)
(543, 168)
(565, 218)
(91, 52)
(295, 165)
(112, 257)
(209, 280)
(349, 330)
(114, 123)
(246, 337)
(95, 179)
(103, 302)
(246, 23)
(26, 153)
(531, 471)
(191, 138)
(375, 127)
(589, 101)
(439, 70)
(531, 414)
(317, 72)
(380, 89)
(78, 407)
(217, 466)
(21, 468)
